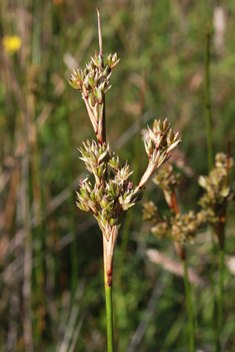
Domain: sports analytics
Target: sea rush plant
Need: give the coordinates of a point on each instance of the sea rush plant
(216, 198)
(112, 193)
(182, 227)
(176, 227)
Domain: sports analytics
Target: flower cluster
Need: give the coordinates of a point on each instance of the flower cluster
(95, 158)
(112, 192)
(217, 191)
(180, 227)
(168, 180)
(93, 82)
(159, 142)
(185, 226)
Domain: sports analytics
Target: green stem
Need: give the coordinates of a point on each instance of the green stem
(109, 317)
(210, 166)
(220, 296)
(213, 293)
(208, 101)
(189, 308)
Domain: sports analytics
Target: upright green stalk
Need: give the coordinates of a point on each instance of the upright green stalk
(221, 288)
(220, 234)
(189, 308)
(107, 271)
(210, 166)
(208, 101)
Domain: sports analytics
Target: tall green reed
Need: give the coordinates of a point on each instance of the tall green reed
(112, 193)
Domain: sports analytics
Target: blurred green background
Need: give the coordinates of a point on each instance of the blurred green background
(51, 291)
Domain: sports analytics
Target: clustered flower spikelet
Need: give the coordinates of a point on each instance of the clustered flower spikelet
(112, 192)
(93, 83)
(217, 191)
(185, 226)
(150, 213)
(166, 177)
(94, 157)
(159, 142)
(168, 180)
(178, 228)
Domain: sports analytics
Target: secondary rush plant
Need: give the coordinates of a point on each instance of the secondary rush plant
(182, 227)
(219, 230)
(111, 193)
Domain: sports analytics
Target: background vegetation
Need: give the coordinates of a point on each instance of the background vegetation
(51, 292)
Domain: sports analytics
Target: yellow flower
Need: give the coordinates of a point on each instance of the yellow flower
(11, 43)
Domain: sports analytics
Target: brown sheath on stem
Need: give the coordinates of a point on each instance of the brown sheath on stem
(108, 249)
(180, 249)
